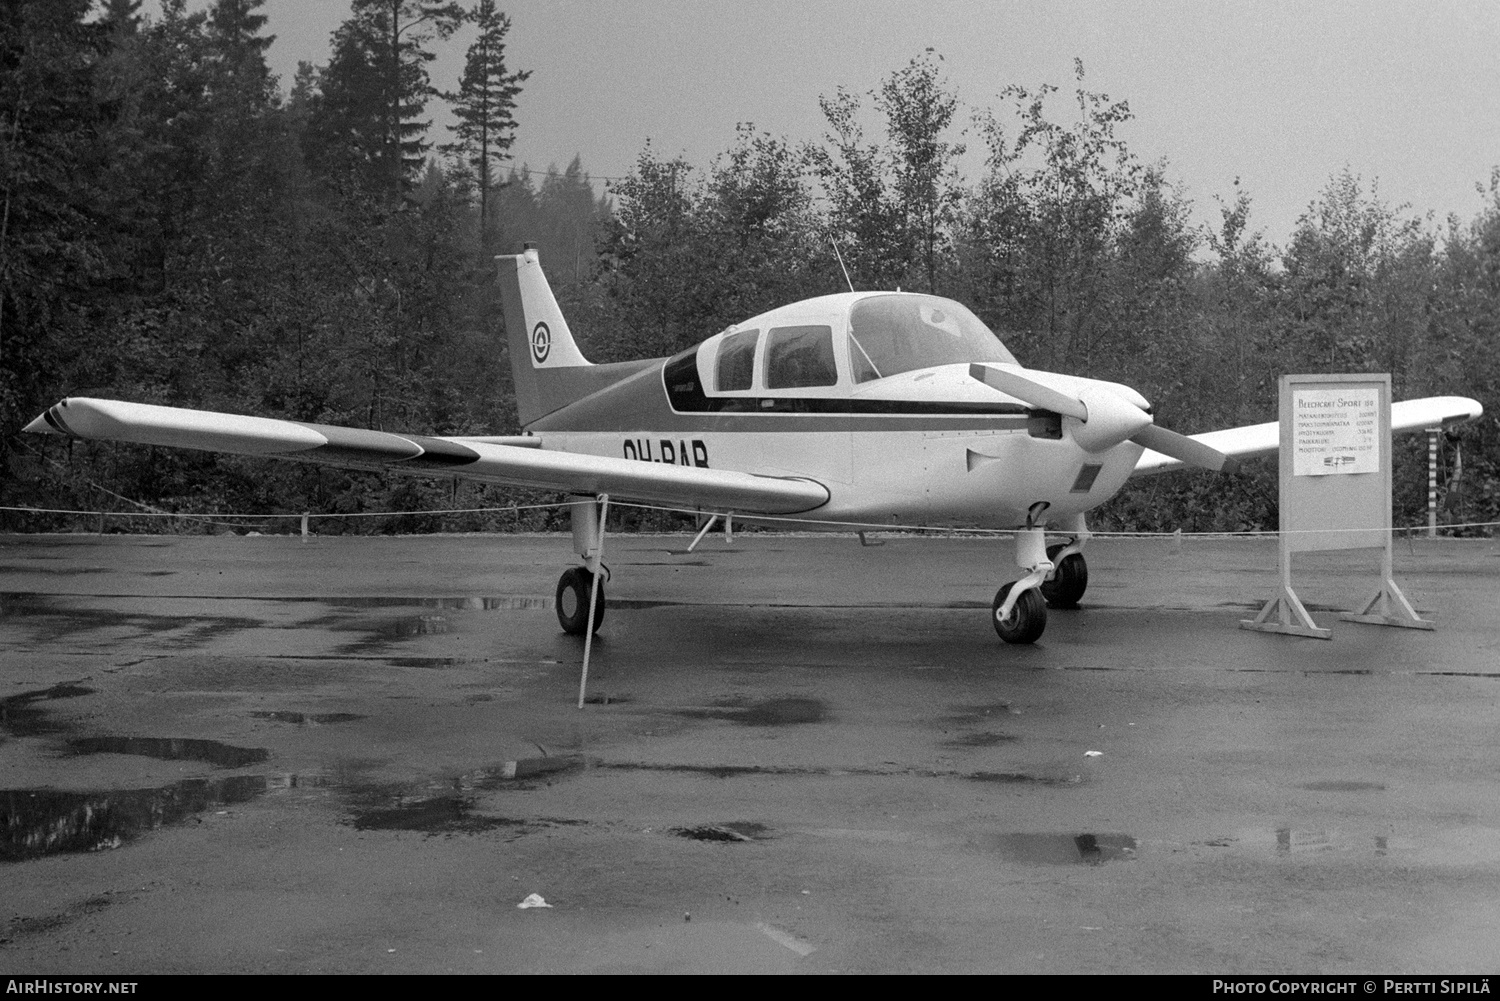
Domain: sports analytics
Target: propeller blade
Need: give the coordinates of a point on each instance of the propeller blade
(1185, 449)
(1017, 385)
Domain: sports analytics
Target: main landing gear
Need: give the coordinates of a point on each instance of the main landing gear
(578, 590)
(1056, 577)
(574, 592)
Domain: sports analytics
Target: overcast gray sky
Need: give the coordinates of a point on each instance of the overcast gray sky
(1281, 95)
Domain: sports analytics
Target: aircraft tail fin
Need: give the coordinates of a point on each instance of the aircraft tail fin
(538, 336)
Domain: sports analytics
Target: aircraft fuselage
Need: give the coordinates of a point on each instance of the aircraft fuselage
(964, 461)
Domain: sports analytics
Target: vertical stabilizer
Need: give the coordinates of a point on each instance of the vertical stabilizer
(549, 370)
(538, 335)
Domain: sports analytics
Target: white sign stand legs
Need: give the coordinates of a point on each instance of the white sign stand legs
(1389, 607)
(1285, 612)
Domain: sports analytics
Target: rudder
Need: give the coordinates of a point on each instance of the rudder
(538, 335)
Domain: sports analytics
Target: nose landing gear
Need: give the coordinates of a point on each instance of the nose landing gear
(1027, 617)
(1018, 611)
(1056, 577)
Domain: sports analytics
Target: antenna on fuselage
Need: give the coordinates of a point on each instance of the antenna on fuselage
(841, 263)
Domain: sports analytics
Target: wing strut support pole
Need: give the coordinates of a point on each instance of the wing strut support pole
(594, 558)
(707, 525)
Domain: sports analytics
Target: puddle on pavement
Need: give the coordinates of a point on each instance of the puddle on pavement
(301, 718)
(171, 749)
(969, 715)
(431, 663)
(980, 739)
(55, 571)
(730, 833)
(1067, 849)
(533, 768)
(1295, 841)
(787, 711)
(1024, 778)
(38, 822)
(416, 625)
(1289, 841)
(51, 622)
(812, 771)
(433, 815)
(724, 771)
(380, 634)
(470, 602)
(478, 604)
(1340, 785)
(20, 715)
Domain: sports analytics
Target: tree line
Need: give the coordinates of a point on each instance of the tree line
(178, 229)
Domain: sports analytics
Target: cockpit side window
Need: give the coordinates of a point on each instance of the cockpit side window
(798, 357)
(735, 368)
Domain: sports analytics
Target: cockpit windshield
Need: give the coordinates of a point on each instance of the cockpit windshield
(889, 334)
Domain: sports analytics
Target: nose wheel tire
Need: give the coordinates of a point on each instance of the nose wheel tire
(1026, 620)
(573, 601)
(1069, 581)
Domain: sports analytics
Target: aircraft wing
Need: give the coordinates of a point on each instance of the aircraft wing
(517, 461)
(1265, 439)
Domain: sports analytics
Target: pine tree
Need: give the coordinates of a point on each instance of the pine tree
(234, 28)
(483, 104)
(122, 16)
(376, 87)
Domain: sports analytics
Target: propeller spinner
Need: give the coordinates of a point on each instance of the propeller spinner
(1104, 418)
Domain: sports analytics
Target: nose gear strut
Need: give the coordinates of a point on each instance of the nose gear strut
(1020, 613)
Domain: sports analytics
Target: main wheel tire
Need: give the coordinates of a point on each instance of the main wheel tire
(1026, 620)
(1069, 581)
(573, 589)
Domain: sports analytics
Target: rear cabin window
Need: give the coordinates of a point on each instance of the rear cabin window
(735, 369)
(798, 357)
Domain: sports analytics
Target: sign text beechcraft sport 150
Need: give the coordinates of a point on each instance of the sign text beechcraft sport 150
(859, 409)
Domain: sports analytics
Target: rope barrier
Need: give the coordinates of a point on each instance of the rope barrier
(848, 526)
(330, 514)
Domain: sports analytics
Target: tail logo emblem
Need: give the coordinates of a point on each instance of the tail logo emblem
(541, 342)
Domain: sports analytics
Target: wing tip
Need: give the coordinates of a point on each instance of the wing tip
(50, 422)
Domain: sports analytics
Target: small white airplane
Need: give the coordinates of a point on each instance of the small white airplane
(856, 410)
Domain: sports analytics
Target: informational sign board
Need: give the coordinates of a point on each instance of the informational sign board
(1335, 432)
(1335, 491)
(1335, 461)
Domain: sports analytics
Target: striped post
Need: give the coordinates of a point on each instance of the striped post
(1432, 477)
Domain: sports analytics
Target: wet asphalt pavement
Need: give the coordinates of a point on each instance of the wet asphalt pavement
(257, 754)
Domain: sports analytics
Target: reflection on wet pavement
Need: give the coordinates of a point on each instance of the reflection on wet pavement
(767, 712)
(53, 617)
(1340, 785)
(36, 822)
(979, 739)
(20, 716)
(732, 832)
(300, 718)
(171, 749)
(436, 815)
(1066, 849)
